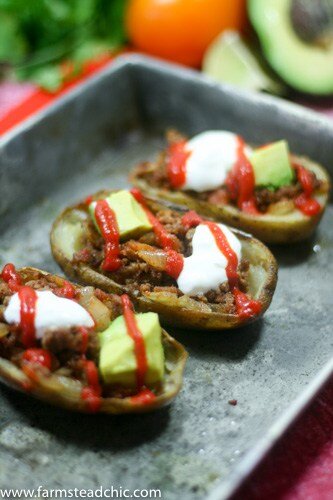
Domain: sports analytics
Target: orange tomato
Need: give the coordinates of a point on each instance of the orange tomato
(181, 30)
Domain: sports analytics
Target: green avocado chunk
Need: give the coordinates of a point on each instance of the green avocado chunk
(131, 218)
(272, 166)
(118, 364)
(304, 62)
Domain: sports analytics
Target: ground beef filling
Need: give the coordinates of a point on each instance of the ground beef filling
(139, 277)
(156, 175)
(65, 345)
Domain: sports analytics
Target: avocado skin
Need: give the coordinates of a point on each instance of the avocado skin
(118, 364)
(304, 66)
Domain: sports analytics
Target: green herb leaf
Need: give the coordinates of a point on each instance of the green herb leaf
(35, 35)
(48, 77)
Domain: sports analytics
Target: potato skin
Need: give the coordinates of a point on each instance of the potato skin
(275, 229)
(57, 392)
(259, 255)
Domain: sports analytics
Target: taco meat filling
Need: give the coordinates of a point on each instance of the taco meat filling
(140, 271)
(67, 349)
(266, 199)
(80, 344)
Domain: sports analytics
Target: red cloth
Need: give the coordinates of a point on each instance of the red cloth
(300, 467)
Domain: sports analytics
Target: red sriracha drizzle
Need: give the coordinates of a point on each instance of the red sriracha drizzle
(10, 276)
(164, 238)
(89, 199)
(246, 307)
(139, 344)
(144, 395)
(174, 259)
(191, 219)
(38, 356)
(67, 291)
(176, 163)
(32, 357)
(28, 300)
(92, 392)
(174, 263)
(107, 222)
(85, 337)
(240, 181)
(304, 202)
(225, 248)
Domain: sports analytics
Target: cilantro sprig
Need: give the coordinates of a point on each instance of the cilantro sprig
(37, 35)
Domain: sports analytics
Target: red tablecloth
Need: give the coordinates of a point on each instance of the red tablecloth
(301, 465)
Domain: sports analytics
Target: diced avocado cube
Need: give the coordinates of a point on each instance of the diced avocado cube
(131, 218)
(271, 165)
(117, 363)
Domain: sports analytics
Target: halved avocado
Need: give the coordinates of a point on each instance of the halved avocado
(297, 40)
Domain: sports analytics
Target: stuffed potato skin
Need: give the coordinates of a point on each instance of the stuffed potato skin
(171, 311)
(65, 392)
(273, 228)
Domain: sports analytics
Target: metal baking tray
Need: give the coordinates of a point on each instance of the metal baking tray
(200, 446)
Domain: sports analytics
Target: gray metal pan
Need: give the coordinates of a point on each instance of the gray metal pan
(201, 445)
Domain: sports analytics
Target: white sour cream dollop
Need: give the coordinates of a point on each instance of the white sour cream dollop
(213, 154)
(52, 312)
(205, 269)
